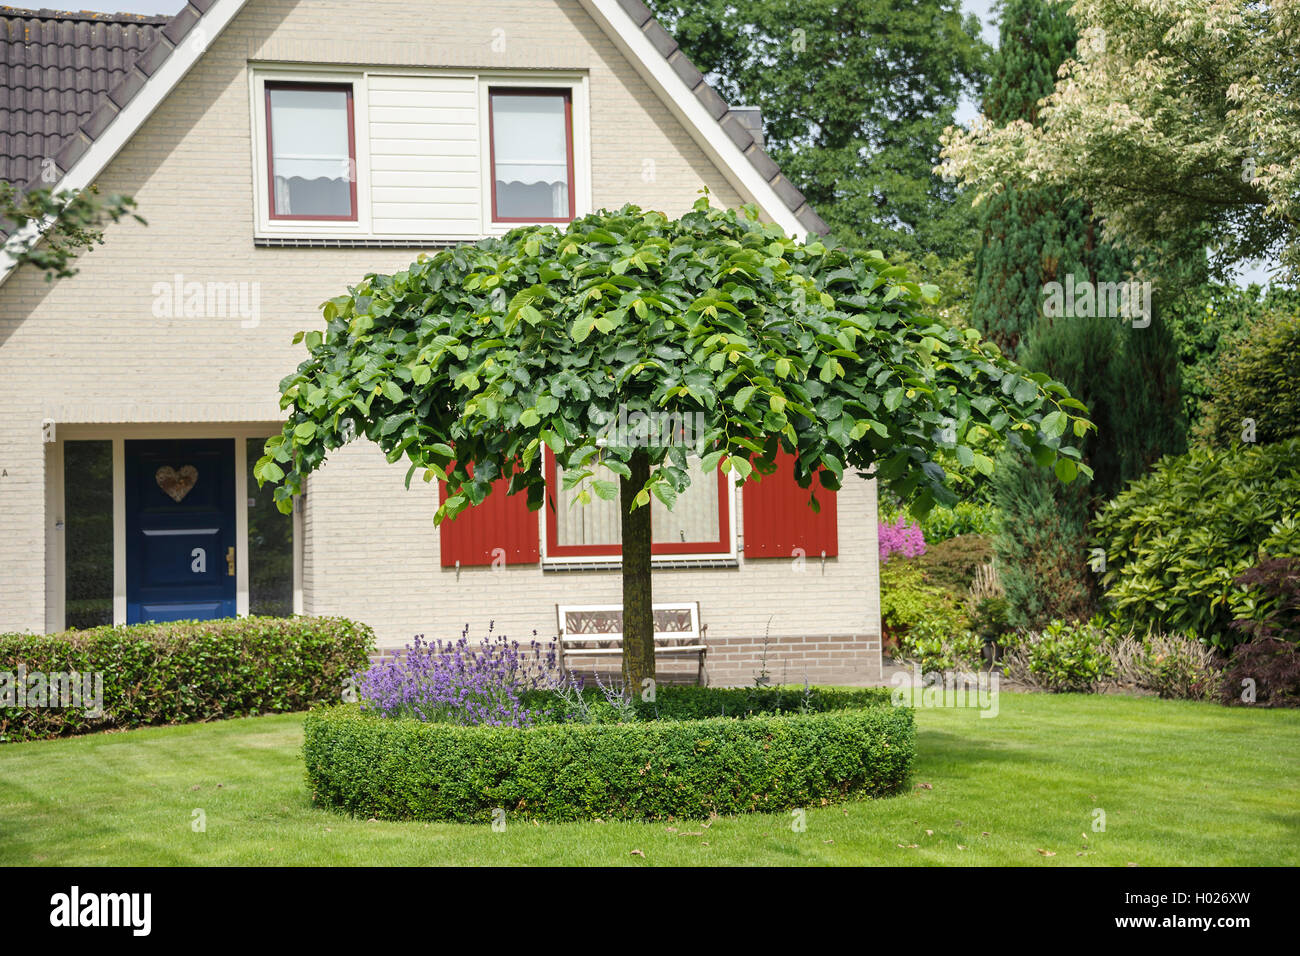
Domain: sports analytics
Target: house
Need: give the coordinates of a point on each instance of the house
(280, 150)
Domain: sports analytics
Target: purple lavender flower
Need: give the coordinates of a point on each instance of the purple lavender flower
(459, 682)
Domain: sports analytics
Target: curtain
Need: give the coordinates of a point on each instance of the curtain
(694, 516)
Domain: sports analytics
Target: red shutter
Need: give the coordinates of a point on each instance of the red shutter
(778, 518)
(501, 523)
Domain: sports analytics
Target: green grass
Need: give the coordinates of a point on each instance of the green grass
(1180, 783)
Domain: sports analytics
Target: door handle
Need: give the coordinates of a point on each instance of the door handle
(230, 562)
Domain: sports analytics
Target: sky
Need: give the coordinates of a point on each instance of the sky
(983, 9)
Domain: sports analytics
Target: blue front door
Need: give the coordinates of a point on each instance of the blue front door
(180, 529)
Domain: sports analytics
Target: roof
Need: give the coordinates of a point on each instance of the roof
(69, 104)
(56, 68)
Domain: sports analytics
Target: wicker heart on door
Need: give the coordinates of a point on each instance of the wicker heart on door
(176, 484)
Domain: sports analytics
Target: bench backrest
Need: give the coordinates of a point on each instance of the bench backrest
(604, 622)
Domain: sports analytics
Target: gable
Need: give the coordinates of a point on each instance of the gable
(711, 127)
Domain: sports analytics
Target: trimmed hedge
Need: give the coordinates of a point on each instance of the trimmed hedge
(185, 671)
(686, 702)
(406, 769)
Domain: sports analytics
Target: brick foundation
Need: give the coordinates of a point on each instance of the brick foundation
(737, 661)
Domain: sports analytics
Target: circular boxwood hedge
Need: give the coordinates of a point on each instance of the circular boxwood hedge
(675, 763)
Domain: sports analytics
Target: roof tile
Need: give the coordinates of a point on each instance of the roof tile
(57, 69)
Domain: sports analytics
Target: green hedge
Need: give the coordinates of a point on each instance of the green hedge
(686, 702)
(405, 769)
(186, 671)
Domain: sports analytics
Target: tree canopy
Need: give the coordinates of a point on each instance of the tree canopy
(50, 229)
(1175, 119)
(479, 356)
(855, 95)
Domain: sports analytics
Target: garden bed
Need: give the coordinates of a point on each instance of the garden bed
(774, 751)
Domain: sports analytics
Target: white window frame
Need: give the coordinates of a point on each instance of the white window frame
(576, 83)
(310, 228)
(577, 87)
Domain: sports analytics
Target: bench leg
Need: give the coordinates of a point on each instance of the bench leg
(703, 678)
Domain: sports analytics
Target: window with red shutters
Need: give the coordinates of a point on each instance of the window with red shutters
(778, 519)
(499, 528)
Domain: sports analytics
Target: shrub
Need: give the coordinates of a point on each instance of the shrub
(405, 769)
(1176, 540)
(900, 536)
(1042, 544)
(1258, 378)
(1270, 667)
(183, 671)
(459, 683)
(1174, 666)
(684, 702)
(935, 648)
(1209, 321)
(965, 517)
(906, 600)
(1061, 657)
(1272, 608)
(952, 564)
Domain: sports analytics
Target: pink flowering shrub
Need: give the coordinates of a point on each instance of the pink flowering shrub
(901, 537)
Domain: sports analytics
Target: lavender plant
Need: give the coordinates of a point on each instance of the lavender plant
(459, 682)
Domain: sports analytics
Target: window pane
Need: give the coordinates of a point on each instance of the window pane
(311, 158)
(594, 523)
(270, 546)
(530, 145)
(88, 533)
(695, 512)
(694, 516)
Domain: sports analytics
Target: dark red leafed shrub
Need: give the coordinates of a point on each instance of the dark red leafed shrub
(1267, 670)
(1277, 584)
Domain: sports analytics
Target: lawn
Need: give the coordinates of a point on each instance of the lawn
(1180, 783)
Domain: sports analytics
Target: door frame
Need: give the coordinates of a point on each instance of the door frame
(56, 585)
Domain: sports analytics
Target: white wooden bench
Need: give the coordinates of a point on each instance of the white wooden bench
(596, 630)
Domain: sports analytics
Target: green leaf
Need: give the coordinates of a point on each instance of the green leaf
(605, 489)
(304, 431)
(1054, 425)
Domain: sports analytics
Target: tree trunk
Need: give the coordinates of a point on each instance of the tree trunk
(638, 612)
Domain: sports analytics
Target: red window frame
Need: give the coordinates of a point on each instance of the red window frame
(719, 545)
(567, 94)
(270, 150)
